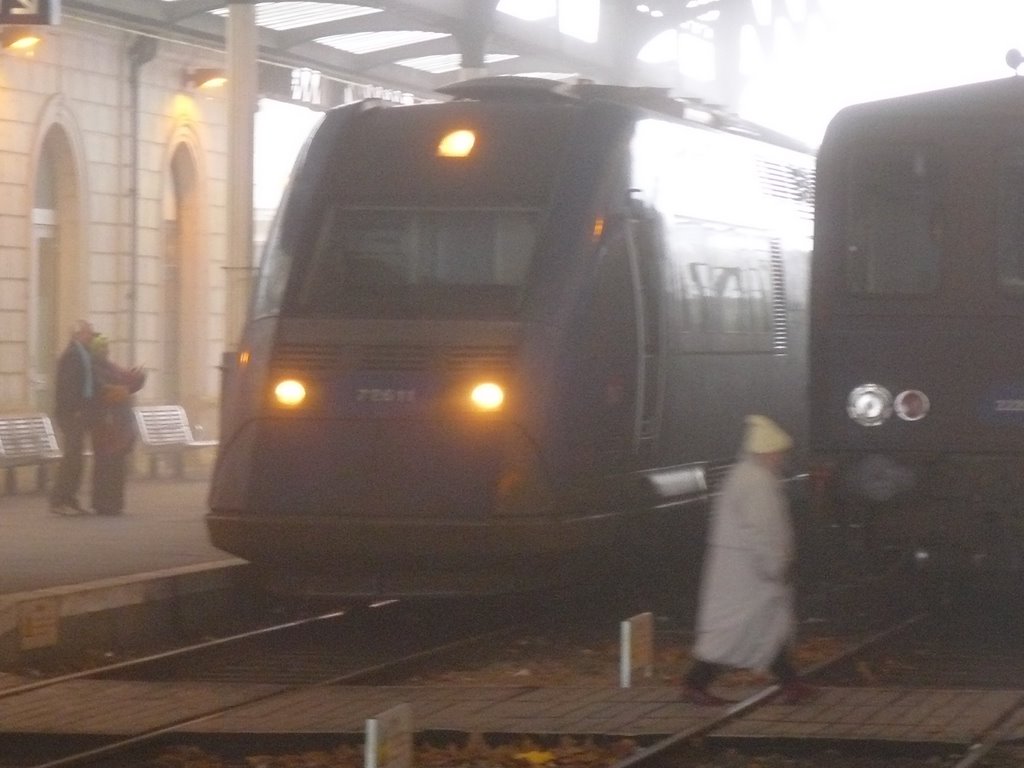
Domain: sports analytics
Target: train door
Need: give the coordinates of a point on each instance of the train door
(643, 246)
(621, 369)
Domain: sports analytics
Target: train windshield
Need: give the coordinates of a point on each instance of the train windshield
(892, 243)
(406, 263)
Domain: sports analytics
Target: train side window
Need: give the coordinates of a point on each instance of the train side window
(1010, 224)
(272, 279)
(891, 246)
(728, 291)
(734, 288)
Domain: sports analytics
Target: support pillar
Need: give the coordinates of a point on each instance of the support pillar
(242, 90)
(729, 81)
(478, 21)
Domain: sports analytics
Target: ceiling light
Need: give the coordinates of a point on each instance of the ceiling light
(205, 79)
(20, 38)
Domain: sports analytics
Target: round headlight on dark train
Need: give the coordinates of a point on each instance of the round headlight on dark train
(289, 392)
(911, 405)
(487, 396)
(869, 404)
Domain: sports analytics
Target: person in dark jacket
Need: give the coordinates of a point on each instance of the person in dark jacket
(74, 394)
(113, 431)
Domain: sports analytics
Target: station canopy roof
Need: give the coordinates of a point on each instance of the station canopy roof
(418, 46)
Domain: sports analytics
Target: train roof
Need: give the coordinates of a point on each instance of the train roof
(508, 88)
(944, 108)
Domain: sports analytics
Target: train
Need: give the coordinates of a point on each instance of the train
(917, 312)
(505, 341)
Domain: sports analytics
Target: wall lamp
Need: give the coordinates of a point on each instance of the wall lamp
(205, 79)
(19, 38)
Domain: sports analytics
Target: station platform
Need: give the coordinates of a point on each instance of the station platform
(162, 528)
(92, 578)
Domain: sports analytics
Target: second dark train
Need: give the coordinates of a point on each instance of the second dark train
(917, 366)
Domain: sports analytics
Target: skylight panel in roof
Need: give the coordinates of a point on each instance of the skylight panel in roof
(281, 16)
(576, 18)
(661, 49)
(547, 75)
(371, 42)
(580, 19)
(529, 10)
(448, 62)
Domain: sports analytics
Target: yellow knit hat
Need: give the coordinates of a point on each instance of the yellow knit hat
(99, 344)
(765, 436)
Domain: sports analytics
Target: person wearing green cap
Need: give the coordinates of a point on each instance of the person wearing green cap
(113, 431)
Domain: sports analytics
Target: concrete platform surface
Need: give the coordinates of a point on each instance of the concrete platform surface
(162, 528)
(89, 581)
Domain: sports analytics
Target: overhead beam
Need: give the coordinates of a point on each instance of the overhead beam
(477, 26)
(370, 22)
(441, 46)
(182, 9)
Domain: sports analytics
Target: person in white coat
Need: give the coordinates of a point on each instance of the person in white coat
(746, 617)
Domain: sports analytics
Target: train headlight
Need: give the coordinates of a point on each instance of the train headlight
(869, 404)
(456, 144)
(289, 392)
(487, 396)
(911, 405)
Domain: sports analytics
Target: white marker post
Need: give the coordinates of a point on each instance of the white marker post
(637, 647)
(389, 739)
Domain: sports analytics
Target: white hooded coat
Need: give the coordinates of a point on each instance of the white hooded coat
(746, 614)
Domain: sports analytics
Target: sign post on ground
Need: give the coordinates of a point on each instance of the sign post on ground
(39, 623)
(389, 739)
(637, 647)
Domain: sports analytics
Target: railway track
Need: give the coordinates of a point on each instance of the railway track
(383, 644)
(711, 744)
(968, 647)
(710, 740)
(280, 657)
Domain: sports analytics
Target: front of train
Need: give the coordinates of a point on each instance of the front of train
(917, 370)
(394, 424)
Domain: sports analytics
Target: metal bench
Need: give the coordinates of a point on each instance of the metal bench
(26, 440)
(164, 430)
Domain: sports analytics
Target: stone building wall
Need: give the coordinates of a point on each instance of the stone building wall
(74, 243)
